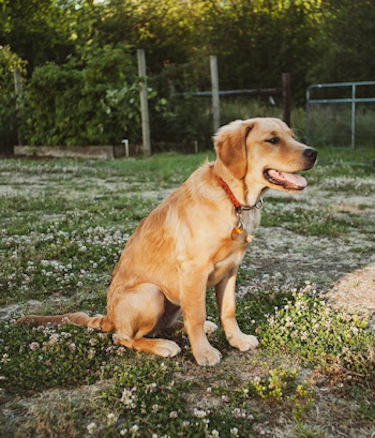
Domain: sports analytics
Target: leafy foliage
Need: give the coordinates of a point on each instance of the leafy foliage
(9, 61)
(92, 100)
(335, 342)
(343, 42)
(48, 357)
(82, 68)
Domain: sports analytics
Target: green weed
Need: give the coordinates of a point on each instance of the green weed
(335, 342)
(45, 357)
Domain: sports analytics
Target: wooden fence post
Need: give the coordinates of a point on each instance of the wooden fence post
(286, 97)
(17, 89)
(215, 92)
(146, 141)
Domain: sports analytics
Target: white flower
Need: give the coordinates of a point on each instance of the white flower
(53, 339)
(121, 351)
(5, 357)
(123, 432)
(215, 433)
(173, 414)
(237, 412)
(34, 346)
(72, 346)
(134, 428)
(112, 418)
(199, 413)
(234, 431)
(91, 427)
(128, 398)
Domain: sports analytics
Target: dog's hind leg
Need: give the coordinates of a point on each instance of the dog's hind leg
(136, 314)
(170, 322)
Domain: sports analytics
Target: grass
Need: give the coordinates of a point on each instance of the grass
(63, 225)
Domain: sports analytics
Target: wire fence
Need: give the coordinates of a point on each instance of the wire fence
(341, 114)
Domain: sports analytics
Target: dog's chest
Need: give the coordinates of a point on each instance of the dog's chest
(222, 267)
(250, 220)
(232, 255)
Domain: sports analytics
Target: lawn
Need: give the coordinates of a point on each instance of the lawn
(63, 225)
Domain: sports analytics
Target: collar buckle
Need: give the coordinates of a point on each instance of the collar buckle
(241, 208)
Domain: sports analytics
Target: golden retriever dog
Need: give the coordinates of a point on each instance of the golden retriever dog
(196, 239)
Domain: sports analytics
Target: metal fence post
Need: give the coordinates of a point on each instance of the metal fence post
(353, 116)
(308, 115)
(286, 97)
(146, 141)
(215, 92)
(17, 89)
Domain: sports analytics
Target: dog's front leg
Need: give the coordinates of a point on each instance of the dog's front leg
(193, 284)
(226, 300)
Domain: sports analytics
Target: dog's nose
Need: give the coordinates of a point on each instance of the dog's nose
(310, 153)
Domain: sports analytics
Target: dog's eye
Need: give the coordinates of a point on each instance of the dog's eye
(273, 140)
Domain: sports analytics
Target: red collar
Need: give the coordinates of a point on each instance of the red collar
(229, 192)
(237, 205)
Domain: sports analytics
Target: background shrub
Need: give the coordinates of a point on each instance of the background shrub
(92, 99)
(8, 112)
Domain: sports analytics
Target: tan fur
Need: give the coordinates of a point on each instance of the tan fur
(184, 246)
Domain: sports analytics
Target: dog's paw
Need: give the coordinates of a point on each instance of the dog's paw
(208, 356)
(209, 327)
(166, 348)
(244, 342)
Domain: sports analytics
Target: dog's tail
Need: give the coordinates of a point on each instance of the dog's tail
(79, 318)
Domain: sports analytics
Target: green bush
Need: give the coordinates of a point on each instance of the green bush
(90, 99)
(9, 61)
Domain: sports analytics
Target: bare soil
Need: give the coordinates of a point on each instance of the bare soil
(355, 292)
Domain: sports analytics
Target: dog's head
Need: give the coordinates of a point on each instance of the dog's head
(263, 151)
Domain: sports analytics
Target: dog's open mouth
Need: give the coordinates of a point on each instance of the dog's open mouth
(289, 181)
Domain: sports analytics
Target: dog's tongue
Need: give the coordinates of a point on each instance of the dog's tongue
(291, 180)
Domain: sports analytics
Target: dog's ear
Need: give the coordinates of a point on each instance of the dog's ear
(230, 145)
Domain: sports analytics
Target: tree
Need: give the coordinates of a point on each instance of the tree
(344, 43)
(90, 99)
(9, 61)
(37, 30)
(258, 40)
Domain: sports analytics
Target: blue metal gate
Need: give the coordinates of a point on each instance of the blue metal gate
(353, 100)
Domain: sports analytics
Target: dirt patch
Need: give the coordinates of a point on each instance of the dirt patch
(297, 258)
(355, 292)
(33, 306)
(57, 412)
